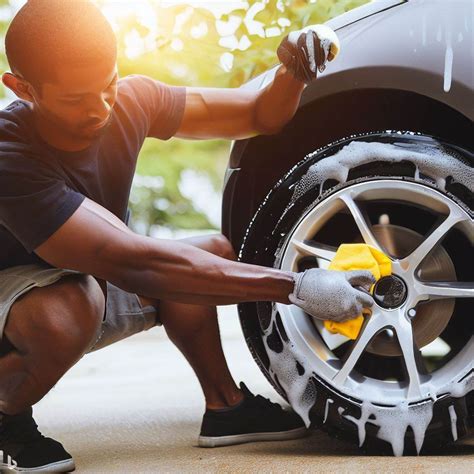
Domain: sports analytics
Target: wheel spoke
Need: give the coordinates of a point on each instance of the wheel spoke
(372, 325)
(440, 290)
(361, 221)
(411, 355)
(309, 247)
(413, 260)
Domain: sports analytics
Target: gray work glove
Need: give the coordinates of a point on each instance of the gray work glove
(329, 294)
(305, 52)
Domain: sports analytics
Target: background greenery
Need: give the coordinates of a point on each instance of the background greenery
(178, 182)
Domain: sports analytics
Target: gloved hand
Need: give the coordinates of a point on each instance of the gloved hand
(327, 294)
(306, 51)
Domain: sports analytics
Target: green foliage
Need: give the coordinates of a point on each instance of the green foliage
(191, 46)
(252, 42)
(165, 204)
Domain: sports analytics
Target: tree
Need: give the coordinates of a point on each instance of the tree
(189, 45)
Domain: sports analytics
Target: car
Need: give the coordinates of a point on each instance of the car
(380, 152)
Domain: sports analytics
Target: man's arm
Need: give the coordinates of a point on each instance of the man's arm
(239, 113)
(94, 241)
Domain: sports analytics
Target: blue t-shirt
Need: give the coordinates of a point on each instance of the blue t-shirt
(41, 186)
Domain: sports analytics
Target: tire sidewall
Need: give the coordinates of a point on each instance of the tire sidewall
(281, 215)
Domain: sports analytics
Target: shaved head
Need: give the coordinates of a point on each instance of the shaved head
(47, 34)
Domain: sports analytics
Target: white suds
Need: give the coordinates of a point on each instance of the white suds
(326, 409)
(393, 422)
(428, 160)
(360, 422)
(299, 389)
(290, 368)
(448, 62)
(454, 419)
(328, 39)
(311, 57)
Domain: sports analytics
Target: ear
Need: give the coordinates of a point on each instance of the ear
(19, 86)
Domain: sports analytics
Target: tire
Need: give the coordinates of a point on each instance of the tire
(382, 403)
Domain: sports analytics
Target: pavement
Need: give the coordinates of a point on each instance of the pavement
(136, 406)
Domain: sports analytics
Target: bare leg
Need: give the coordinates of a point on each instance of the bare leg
(195, 331)
(49, 329)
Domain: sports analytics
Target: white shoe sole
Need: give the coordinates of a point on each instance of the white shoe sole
(216, 441)
(60, 466)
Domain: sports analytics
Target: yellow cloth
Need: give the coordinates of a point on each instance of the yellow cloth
(357, 257)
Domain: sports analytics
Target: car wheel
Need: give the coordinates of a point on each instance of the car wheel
(406, 383)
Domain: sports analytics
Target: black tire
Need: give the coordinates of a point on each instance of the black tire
(267, 233)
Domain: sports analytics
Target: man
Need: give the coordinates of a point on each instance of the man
(74, 277)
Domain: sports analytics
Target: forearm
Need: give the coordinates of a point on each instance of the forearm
(172, 270)
(277, 103)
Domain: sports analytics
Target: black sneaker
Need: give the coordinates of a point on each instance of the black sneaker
(255, 418)
(24, 449)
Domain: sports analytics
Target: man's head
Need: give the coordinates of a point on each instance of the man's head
(62, 55)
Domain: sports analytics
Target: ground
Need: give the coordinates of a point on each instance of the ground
(136, 407)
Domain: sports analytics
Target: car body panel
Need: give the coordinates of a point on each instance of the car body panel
(414, 54)
(406, 47)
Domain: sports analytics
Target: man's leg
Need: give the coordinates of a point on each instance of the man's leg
(232, 415)
(49, 329)
(194, 330)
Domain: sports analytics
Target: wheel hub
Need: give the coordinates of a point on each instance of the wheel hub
(431, 317)
(390, 292)
(420, 259)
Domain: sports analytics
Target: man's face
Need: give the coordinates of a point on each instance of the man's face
(79, 103)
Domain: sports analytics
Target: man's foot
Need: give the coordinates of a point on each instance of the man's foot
(24, 449)
(254, 419)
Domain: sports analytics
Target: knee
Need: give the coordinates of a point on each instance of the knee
(222, 247)
(64, 319)
(82, 302)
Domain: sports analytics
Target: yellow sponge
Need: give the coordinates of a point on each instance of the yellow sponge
(357, 257)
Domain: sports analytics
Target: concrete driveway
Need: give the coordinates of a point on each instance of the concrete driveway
(136, 407)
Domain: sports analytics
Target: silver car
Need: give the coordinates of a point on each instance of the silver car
(380, 151)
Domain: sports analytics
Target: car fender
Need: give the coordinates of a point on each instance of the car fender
(394, 71)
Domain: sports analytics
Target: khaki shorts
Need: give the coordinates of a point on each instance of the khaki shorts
(124, 315)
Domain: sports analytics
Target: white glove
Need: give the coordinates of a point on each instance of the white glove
(306, 51)
(328, 294)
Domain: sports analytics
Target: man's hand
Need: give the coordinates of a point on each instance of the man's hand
(328, 294)
(306, 51)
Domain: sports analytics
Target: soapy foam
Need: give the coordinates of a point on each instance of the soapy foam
(326, 409)
(328, 39)
(448, 63)
(454, 419)
(427, 160)
(299, 389)
(393, 422)
(448, 30)
(310, 48)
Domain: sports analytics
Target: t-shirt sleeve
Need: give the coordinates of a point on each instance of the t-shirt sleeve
(162, 104)
(33, 202)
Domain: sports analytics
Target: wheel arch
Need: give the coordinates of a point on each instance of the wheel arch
(257, 164)
(254, 327)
